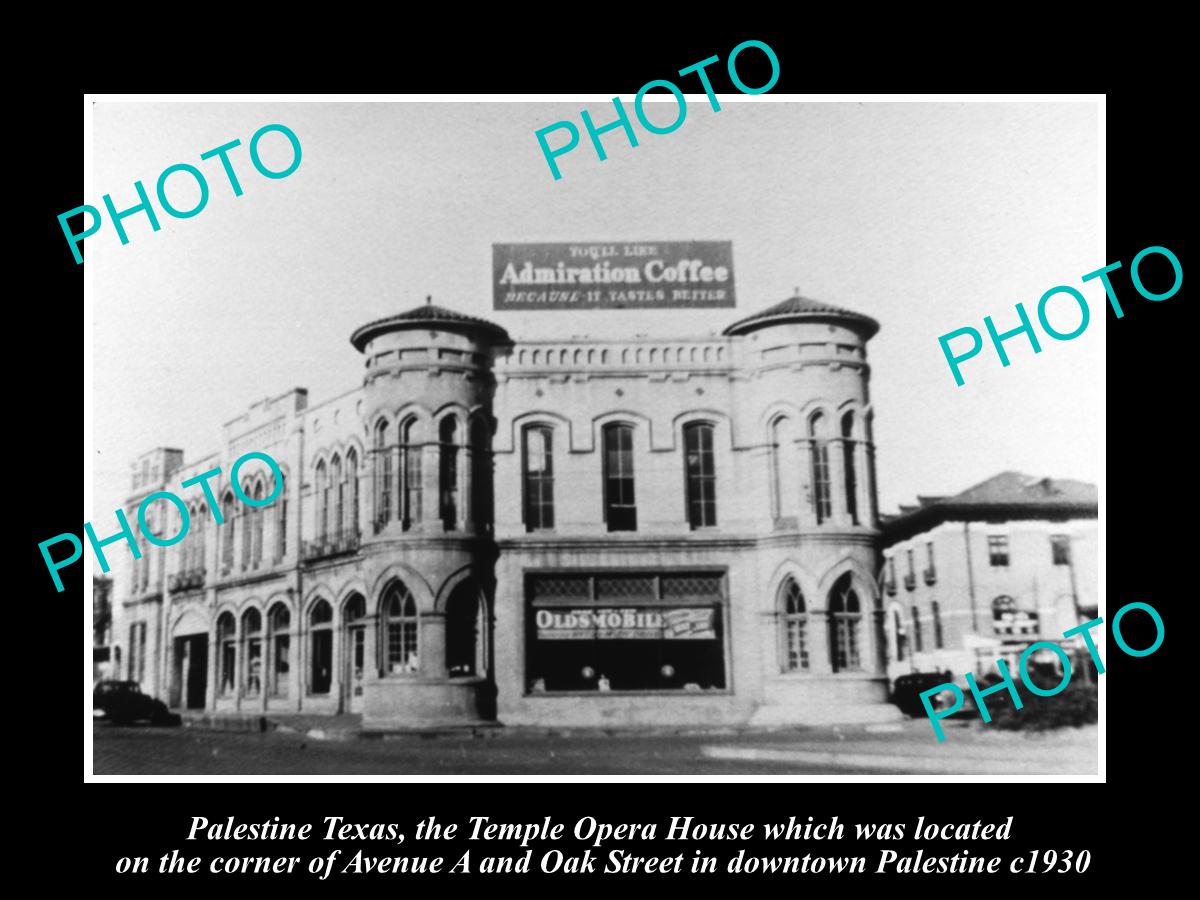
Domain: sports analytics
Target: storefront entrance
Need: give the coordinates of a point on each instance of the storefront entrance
(354, 654)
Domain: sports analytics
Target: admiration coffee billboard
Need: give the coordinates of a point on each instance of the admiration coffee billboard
(642, 275)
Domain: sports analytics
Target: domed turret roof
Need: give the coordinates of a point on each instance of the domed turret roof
(801, 309)
(427, 316)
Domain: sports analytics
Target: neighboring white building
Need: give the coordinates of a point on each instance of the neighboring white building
(651, 530)
(983, 574)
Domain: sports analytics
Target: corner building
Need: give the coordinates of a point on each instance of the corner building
(575, 533)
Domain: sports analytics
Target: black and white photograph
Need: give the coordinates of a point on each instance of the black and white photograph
(493, 436)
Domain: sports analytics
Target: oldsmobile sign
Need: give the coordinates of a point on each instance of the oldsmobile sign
(613, 275)
(626, 623)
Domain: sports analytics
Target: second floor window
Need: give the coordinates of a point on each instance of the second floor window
(448, 474)
(822, 501)
(918, 643)
(620, 509)
(848, 466)
(322, 500)
(383, 476)
(410, 450)
(701, 475)
(998, 550)
(538, 463)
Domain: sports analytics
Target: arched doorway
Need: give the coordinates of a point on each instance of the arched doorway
(354, 633)
(466, 632)
(320, 628)
(189, 672)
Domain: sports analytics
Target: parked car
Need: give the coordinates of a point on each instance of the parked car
(122, 702)
(906, 692)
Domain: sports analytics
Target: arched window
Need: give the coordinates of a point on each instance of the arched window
(401, 630)
(448, 473)
(620, 507)
(352, 487)
(322, 511)
(785, 491)
(227, 646)
(281, 525)
(845, 617)
(537, 462)
(481, 475)
(320, 622)
(245, 513)
(383, 477)
(252, 651)
(338, 489)
(817, 433)
(411, 463)
(256, 520)
(199, 539)
(465, 631)
(281, 641)
(701, 475)
(848, 465)
(795, 626)
(230, 526)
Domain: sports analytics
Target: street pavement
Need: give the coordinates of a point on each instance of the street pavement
(907, 748)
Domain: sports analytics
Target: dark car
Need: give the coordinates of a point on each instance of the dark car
(907, 690)
(122, 702)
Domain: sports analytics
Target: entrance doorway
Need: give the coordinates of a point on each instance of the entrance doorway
(355, 652)
(190, 682)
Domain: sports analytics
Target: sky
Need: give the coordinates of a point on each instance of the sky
(926, 216)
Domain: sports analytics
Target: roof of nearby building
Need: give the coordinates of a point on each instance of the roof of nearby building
(1007, 496)
(425, 316)
(801, 309)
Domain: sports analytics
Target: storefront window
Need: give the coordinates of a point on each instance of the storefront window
(401, 630)
(623, 631)
(845, 616)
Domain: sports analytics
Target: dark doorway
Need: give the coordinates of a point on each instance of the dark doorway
(191, 672)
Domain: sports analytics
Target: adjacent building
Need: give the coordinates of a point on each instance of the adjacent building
(570, 532)
(985, 573)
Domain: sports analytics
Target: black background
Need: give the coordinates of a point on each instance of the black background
(83, 829)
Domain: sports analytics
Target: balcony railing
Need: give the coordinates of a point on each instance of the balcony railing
(931, 576)
(333, 544)
(183, 581)
(910, 582)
